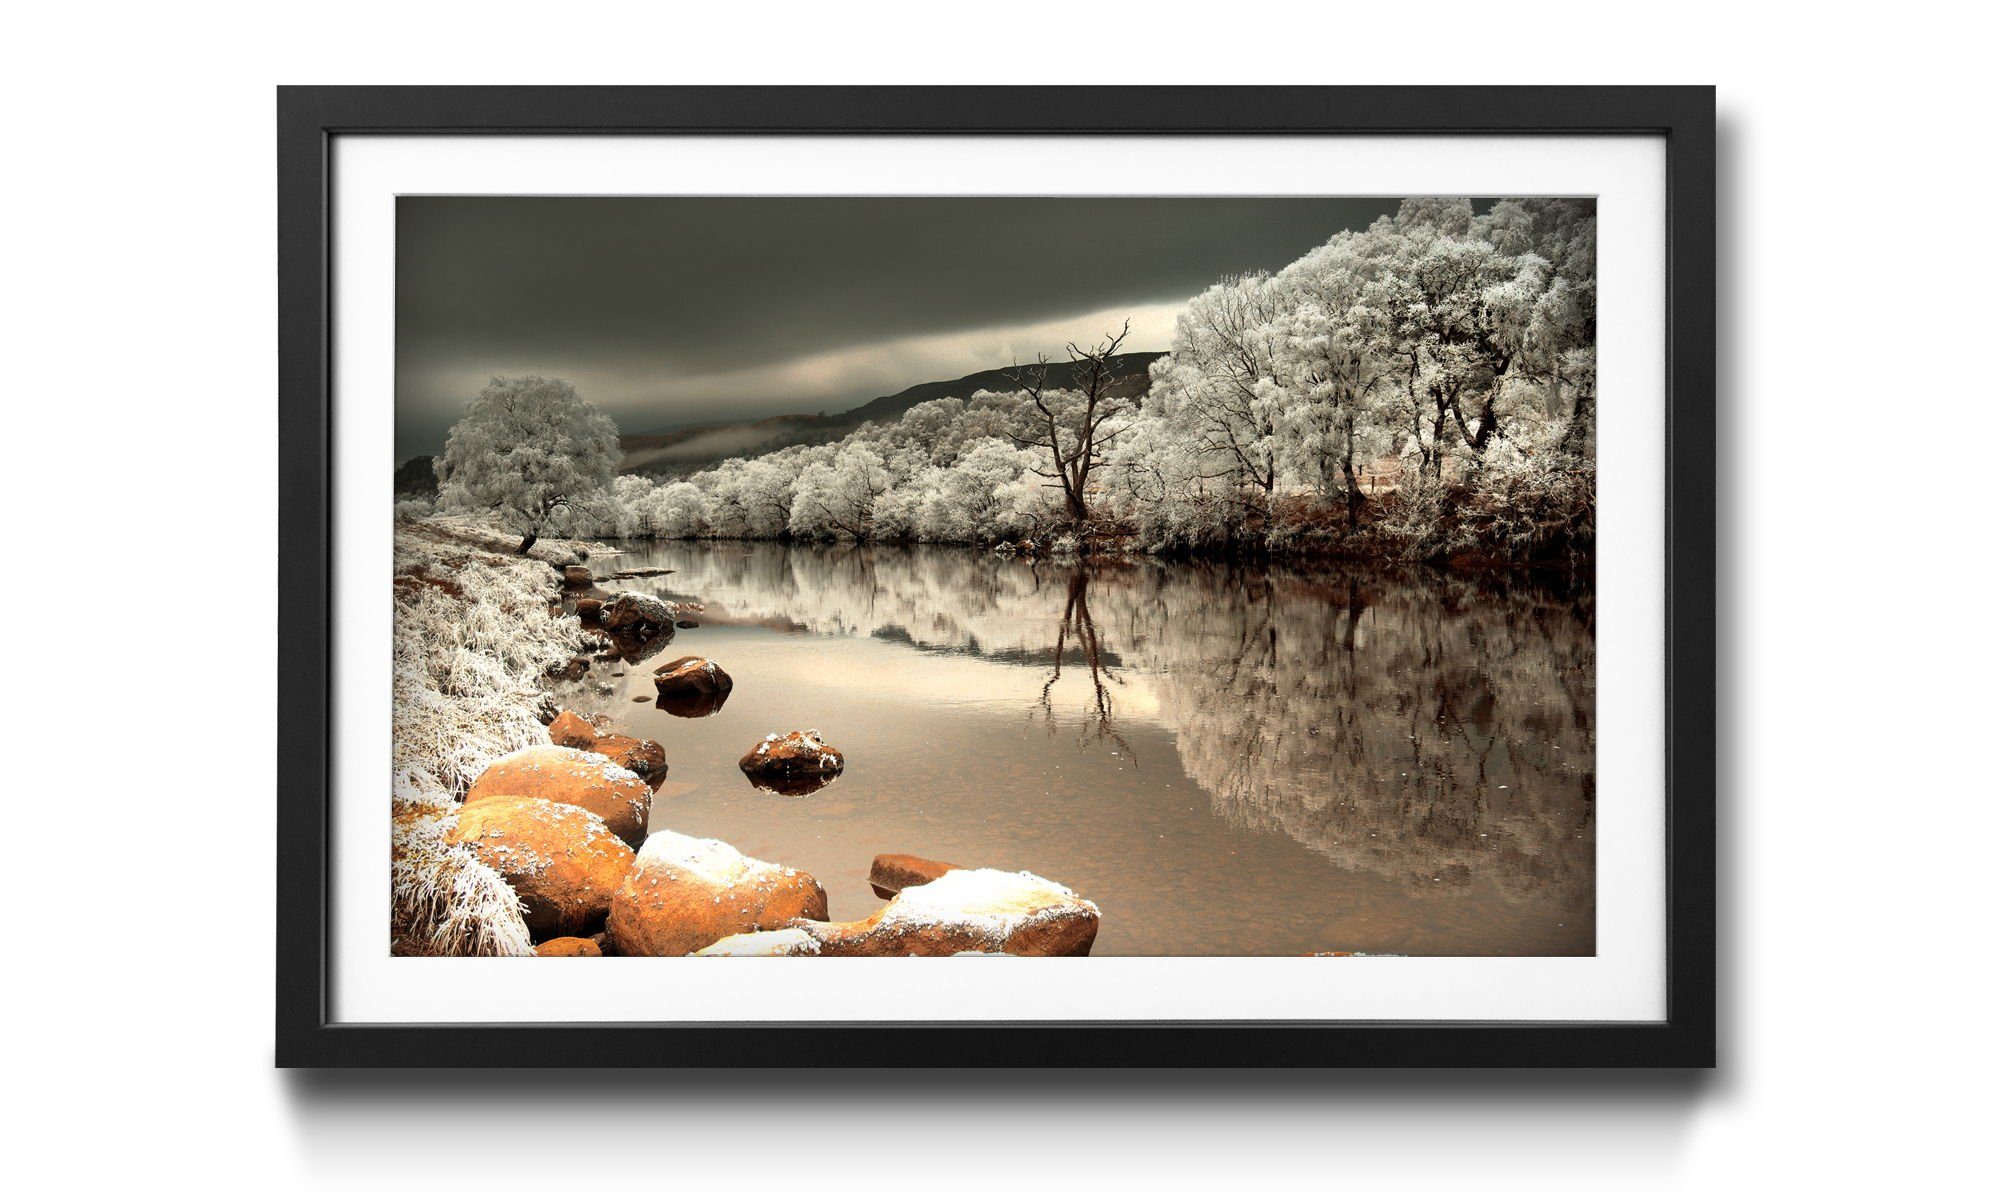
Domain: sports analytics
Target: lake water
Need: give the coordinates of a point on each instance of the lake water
(1228, 760)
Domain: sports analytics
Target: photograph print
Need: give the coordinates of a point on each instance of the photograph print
(934, 576)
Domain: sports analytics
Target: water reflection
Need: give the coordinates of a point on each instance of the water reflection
(1078, 630)
(692, 706)
(790, 785)
(1431, 731)
(633, 645)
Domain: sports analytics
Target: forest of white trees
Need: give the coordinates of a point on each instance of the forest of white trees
(1423, 388)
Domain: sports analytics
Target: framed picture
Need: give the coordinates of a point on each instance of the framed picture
(996, 576)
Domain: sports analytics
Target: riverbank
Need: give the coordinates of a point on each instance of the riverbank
(474, 638)
(1477, 530)
(524, 829)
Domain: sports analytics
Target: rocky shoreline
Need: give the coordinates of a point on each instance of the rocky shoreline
(545, 847)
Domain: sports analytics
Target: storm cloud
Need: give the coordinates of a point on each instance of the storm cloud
(669, 311)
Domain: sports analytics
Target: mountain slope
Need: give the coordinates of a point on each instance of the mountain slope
(1126, 368)
(685, 451)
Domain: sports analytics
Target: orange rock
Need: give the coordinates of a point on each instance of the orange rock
(891, 873)
(800, 752)
(576, 575)
(589, 608)
(569, 947)
(684, 893)
(562, 861)
(590, 781)
(691, 676)
(643, 757)
(963, 912)
(569, 729)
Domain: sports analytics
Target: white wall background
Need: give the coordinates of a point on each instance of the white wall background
(1859, 660)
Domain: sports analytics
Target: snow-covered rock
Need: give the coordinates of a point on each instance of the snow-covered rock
(628, 609)
(560, 860)
(643, 757)
(891, 873)
(691, 675)
(800, 752)
(685, 893)
(962, 912)
(592, 782)
(765, 943)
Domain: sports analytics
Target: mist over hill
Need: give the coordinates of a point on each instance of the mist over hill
(679, 452)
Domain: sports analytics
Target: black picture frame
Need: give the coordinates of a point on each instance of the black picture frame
(310, 118)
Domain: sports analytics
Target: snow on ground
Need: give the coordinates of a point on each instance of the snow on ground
(474, 636)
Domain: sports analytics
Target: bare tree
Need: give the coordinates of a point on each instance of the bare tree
(1069, 423)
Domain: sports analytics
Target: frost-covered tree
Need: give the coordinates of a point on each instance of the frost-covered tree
(1438, 331)
(980, 497)
(1336, 403)
(679, 510)
(630, 505)
(1220, 382)
(835, 499)
(1332, 424)
(1478, 310)
(752, 498)
(526, 449)
(1159, 483)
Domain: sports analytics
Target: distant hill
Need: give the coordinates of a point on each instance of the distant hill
(1128, 369)
(684, 451)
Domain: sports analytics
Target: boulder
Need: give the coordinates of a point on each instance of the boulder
(798, 753)
(570, 947)
(643, 757)
(576, 575)
(691, 675)
(964, 912)
(589, 608)
(628, 609)
(767, 943)
(684, 893)
(569, 729)
(562, 862)
(891, 873)
(565, 775)
(794, 943)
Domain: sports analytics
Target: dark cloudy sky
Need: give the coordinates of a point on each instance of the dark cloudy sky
(668, 311)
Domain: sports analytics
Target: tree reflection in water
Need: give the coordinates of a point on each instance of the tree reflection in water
(1419, 727)
(1425, 728)
(1078, 630)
